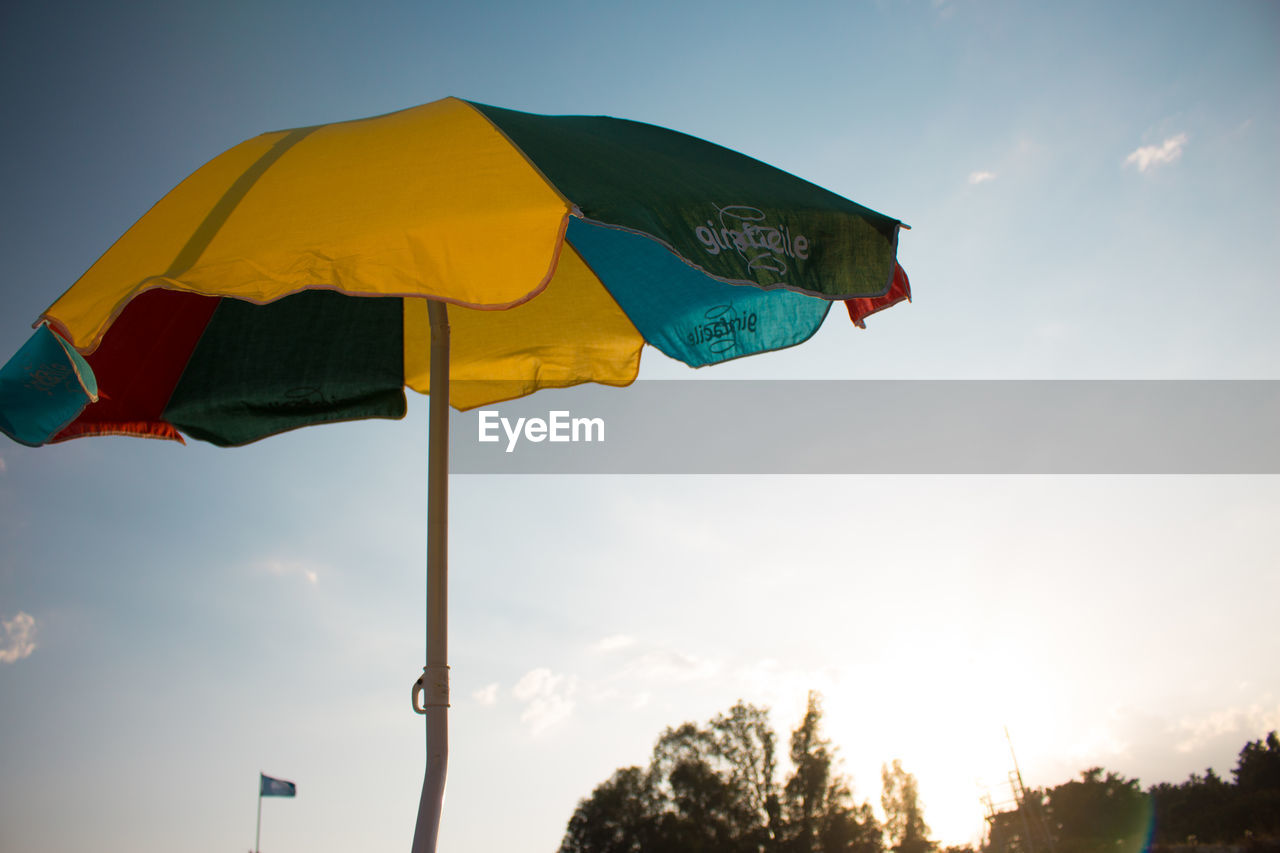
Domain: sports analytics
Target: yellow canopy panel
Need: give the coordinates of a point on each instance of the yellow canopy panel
(427, 201)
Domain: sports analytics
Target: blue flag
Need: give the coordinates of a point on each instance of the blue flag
(276, 787)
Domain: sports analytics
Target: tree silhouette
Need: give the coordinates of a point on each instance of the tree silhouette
(714, 789)
(1257, 776)
(1209, 810)
(903, 817)
(1104, 811)
(620, 816)
(1100, 813)
(1200, 808)
(821, 813)
(714, 784)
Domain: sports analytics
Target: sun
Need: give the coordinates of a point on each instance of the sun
(944, 716)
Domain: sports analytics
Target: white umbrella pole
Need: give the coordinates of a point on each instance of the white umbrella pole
(433, 685)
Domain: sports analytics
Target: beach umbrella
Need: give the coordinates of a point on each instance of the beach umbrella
(474, 253)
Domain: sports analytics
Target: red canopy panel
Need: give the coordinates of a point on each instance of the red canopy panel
(862, 308)
(139, 362)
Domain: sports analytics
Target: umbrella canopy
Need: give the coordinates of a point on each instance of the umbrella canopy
(232, 310)
(474, 253)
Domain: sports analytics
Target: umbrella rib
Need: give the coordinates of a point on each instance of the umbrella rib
(225, 206)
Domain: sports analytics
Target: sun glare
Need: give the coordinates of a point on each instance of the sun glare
(944, 717)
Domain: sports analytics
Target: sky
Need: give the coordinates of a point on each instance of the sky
(1093, 193)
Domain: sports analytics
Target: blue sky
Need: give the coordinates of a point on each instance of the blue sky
(1093, 193)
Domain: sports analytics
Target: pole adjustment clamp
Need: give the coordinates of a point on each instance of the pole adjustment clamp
(432, 686)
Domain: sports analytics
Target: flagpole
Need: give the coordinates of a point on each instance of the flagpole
(257, 833)
(433, 684)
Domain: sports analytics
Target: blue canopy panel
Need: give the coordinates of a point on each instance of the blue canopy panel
(44, 387)
(686, 314)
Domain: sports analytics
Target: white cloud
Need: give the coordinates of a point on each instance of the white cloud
(285, 568)
(614, 642)
(19, 639)
(487, 695)
(635, 668)
(548, 698)
(1232, 724)
(667, 666)
(981, 177)
(1150, 156)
